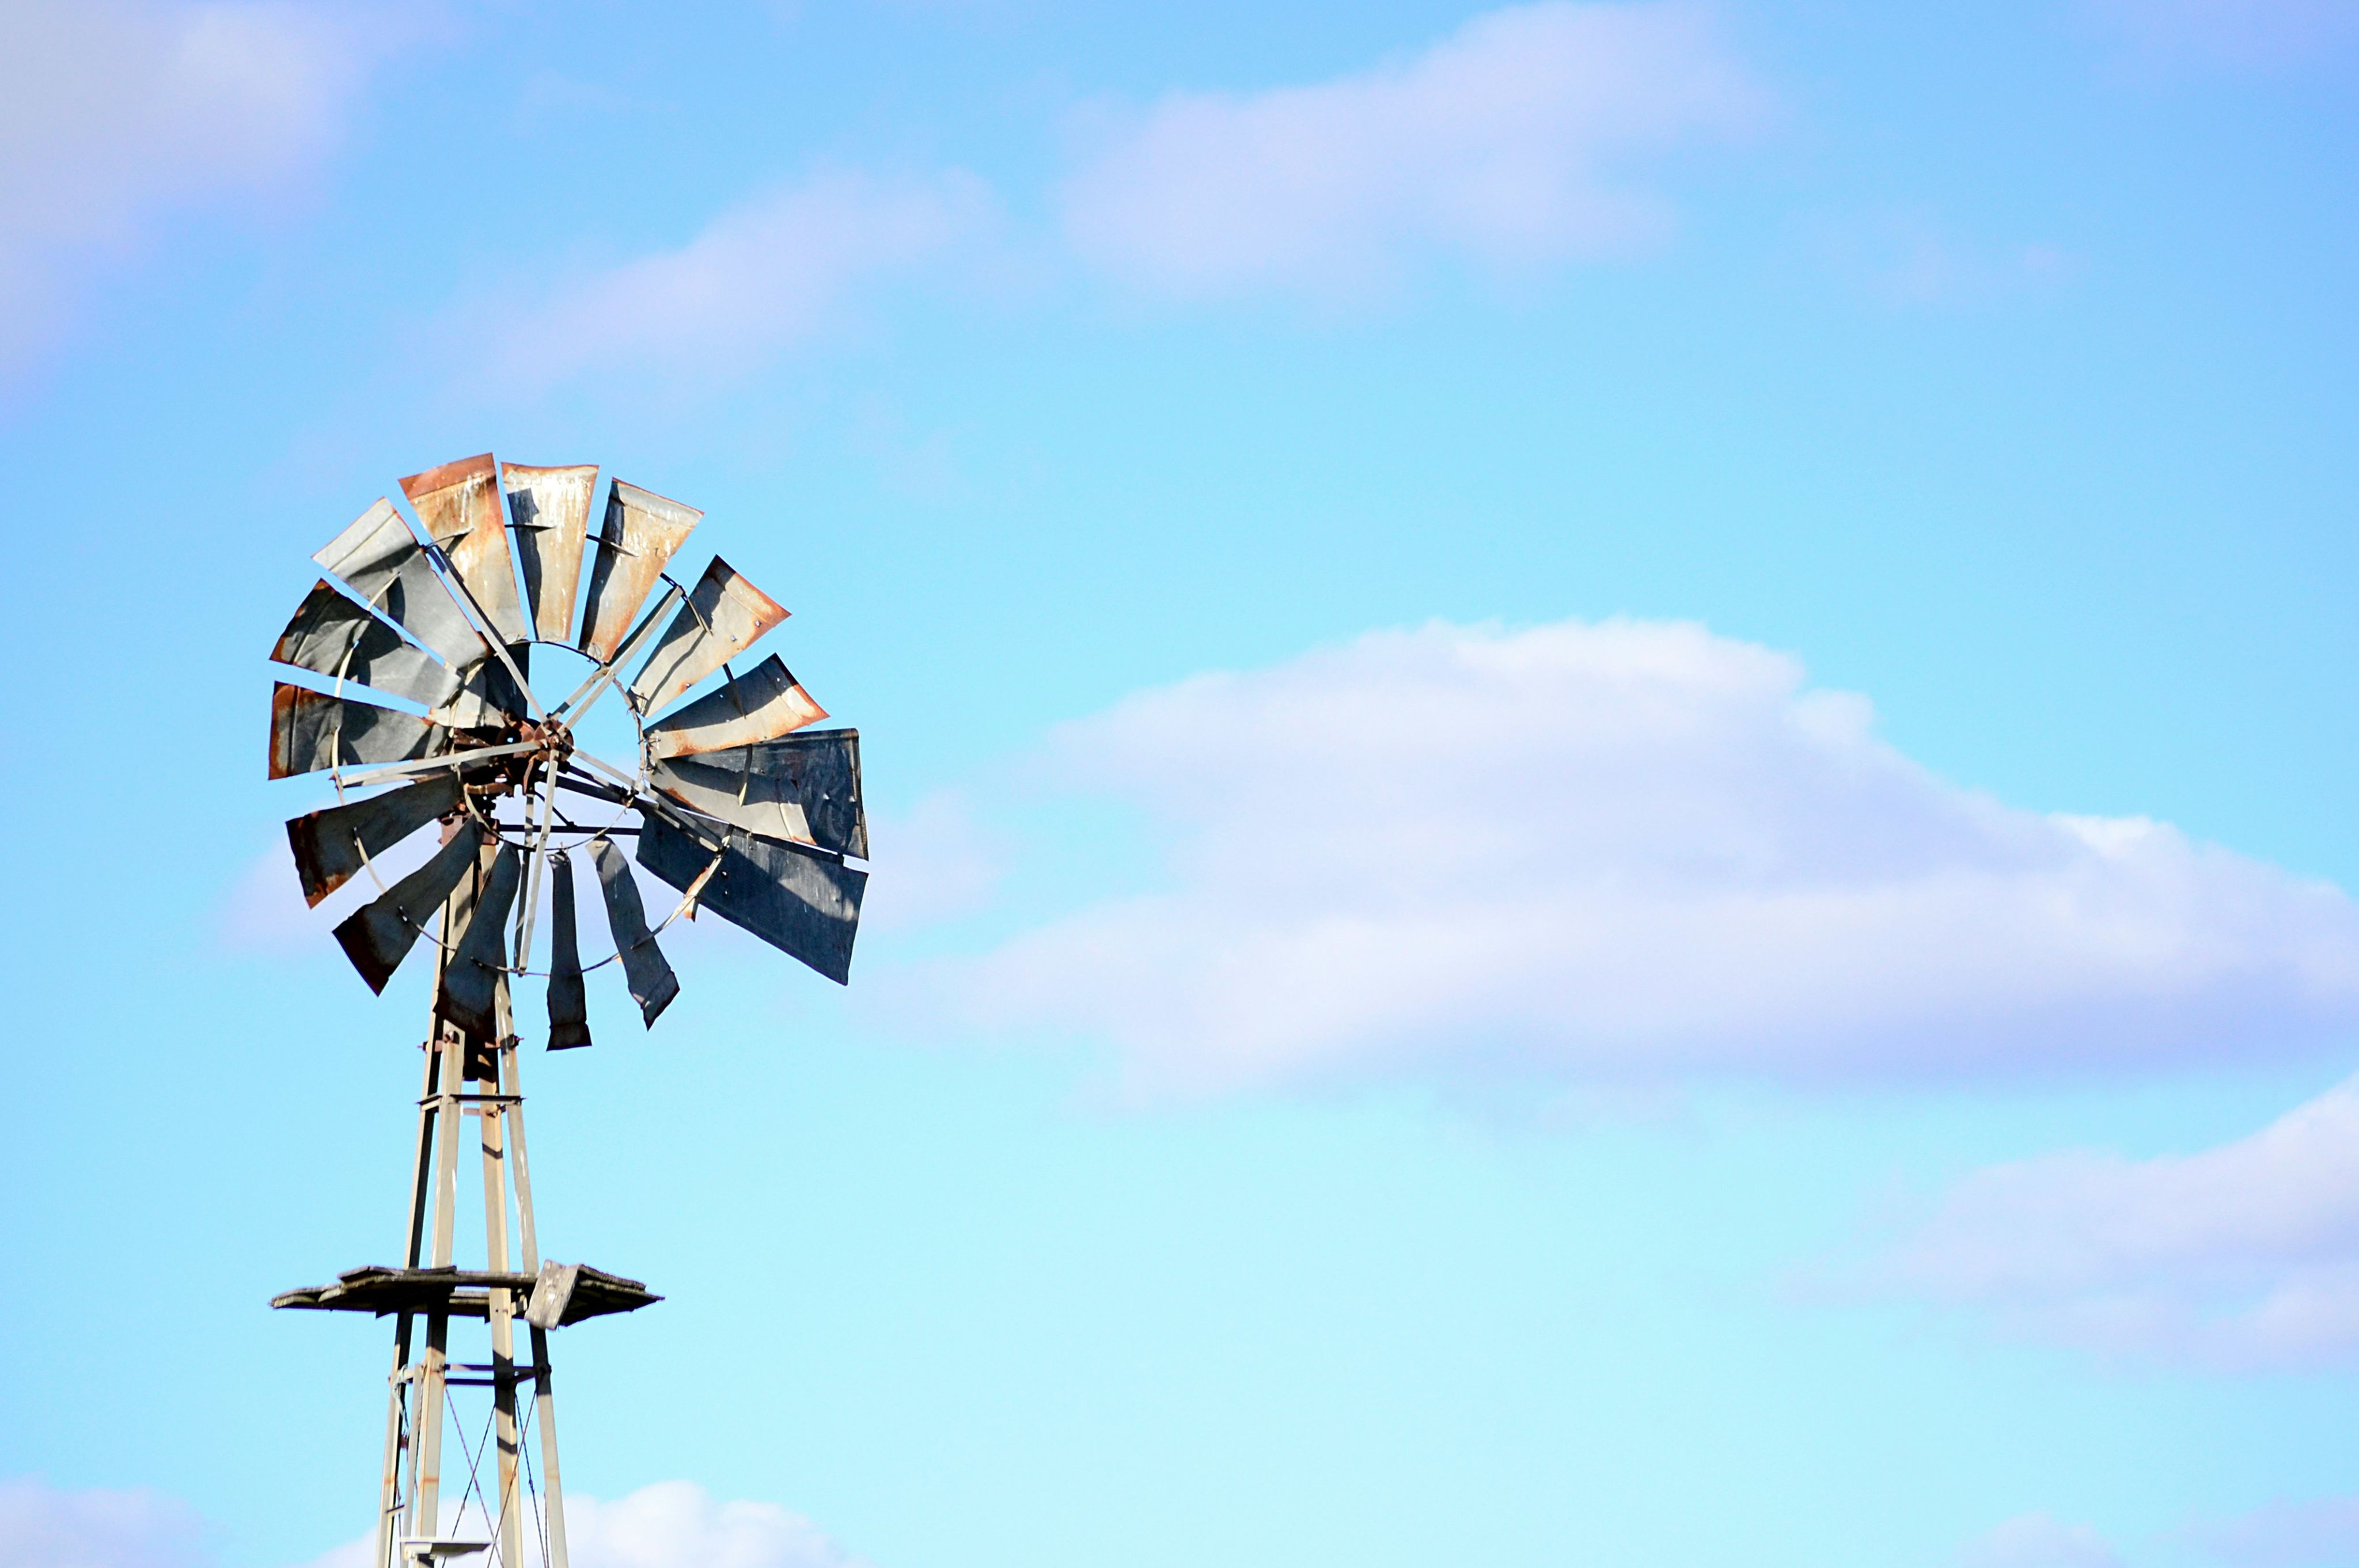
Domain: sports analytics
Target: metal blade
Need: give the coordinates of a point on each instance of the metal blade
(802, 902)
(641, 531)
(333, 636)
(309, 731)
(331, 846)
(724, 615)
(478, 967)
(377, 937)
(653, 985)
(549, 508)
(804, 789)
(568, 1003)
(487, 697)
(380, 559)
(761, 705)
(460, 506)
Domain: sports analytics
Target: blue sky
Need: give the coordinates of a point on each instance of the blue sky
(1611, 750)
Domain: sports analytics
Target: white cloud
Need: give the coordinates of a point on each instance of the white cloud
(1626, 849)
(936, 863)
(1513, 141)
(771, 273)
(41, 1527)
(2214, 34)
(119, 111)
(2242, 1255)
(2038, 1540)
(2317, 1533)
(671, 1524)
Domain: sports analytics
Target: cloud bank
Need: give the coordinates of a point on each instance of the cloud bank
(2038, 1540)
(2241, 1256)
(119, 111)
(41, 1527)
(1629, 850)
(1522, 139)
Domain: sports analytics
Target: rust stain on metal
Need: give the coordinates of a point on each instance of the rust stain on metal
(641, 533)
(724, 615)
(549, 508)
(459, 503)
(330, 845)
(310, 730)
(761, 705)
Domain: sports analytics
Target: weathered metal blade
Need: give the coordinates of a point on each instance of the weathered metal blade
(333, 636)
(804, 789)
(724, 615)
(460, 506)
(309, 731)
(760, 705)
(549, 508)
(378, 935)
(331, 846)
(568, 1002)
(652, 983)
(641, 531)
(478, 965)
(488, 697)
(380, 559)
(802, 902)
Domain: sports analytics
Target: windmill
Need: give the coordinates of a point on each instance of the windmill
(729, 798)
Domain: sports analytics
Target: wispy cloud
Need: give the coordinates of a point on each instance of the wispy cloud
(1631, 849)
(2213, 34)
(2321, 1533)
(1528, 137)
(43, 1527)
(2244, 1254)
(774, 272)
(2038, 1540)
(120, 112)
(671, 1524)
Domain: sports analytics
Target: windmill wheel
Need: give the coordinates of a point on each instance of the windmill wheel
(737, 804)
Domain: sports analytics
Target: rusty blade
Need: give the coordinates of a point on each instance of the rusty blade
(309, 731)
(487, 698)
(568, 1003)
(378, 935)
(804, 789)
(478, 965)
(802, 902)
(459, 503)
(332, 636)
(641, 531)
(381, 560)
(760, 705)
(652, 983)
(331, 846)
(549, 510)
(723, 616)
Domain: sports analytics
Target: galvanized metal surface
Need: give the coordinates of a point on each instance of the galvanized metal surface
(724, 615)
(331, 846)
(310, 730)
(760, 705)
(804, 789)
(802, 902)
(459, 506)
(652, 983)
(379, 935)
(479, 962)
(568, 1003)
(549, 508)
(332, 636)
(641, 531)
(380, 559)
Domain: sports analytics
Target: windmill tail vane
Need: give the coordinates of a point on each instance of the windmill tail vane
(730, 800)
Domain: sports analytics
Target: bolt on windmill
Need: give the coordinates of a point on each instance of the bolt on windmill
(728, 799)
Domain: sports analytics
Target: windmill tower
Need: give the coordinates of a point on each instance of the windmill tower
(729, 799)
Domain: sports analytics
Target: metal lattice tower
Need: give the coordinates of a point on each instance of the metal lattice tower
(731, 801)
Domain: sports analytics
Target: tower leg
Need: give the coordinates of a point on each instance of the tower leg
(553, 1490)
(492, 1116)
